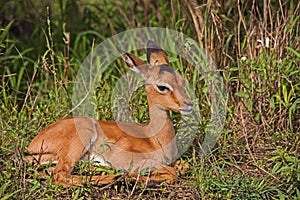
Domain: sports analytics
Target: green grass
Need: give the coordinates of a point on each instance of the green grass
(257, 155)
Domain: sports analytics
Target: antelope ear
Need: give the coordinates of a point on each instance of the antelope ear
(155, 55)
(134, 62)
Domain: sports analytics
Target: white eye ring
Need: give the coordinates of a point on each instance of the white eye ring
(162, 89)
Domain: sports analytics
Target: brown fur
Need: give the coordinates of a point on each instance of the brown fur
(128, 146)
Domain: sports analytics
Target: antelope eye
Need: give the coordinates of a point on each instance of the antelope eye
(163, 88)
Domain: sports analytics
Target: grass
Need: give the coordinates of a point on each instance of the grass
(256, 49)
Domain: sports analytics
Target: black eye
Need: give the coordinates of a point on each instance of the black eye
(163, 88)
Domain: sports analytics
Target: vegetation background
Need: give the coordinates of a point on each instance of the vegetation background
(255, 45)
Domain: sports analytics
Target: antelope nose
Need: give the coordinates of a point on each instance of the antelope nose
(187, 110)
(188, 103)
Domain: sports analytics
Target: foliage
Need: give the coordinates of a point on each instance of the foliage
(255, 45)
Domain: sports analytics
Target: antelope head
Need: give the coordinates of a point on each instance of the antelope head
(165, 87)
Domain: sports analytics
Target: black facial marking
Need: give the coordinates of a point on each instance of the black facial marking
(166, 68)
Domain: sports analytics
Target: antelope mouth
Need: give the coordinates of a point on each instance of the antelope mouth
(186, 111)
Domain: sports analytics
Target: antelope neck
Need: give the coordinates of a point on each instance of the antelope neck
(160, 124)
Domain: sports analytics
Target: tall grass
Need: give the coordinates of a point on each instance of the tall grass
(255, 45)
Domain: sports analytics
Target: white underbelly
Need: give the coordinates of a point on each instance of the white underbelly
(98, 160)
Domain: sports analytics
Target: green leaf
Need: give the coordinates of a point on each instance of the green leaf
(243, 95)
(293, 51)
(5, 31)
(292, 110)
(171, 59)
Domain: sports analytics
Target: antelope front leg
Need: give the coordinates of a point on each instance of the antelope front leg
(166, 174)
